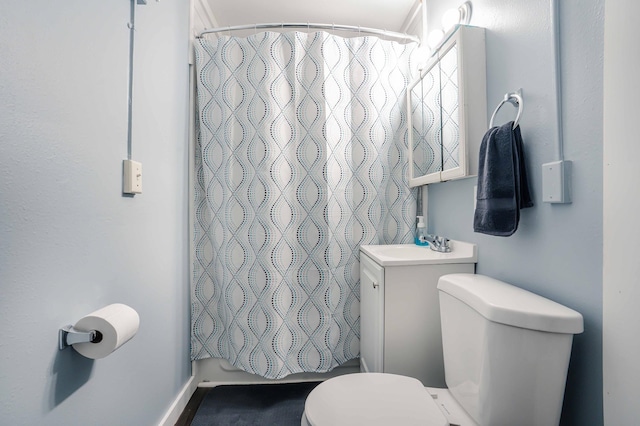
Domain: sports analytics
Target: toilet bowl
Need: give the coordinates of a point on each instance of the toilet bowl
(506, 354)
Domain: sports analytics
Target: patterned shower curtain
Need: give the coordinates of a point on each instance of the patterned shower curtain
(300, 159)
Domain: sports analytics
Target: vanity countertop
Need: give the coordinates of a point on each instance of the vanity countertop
(411, 254)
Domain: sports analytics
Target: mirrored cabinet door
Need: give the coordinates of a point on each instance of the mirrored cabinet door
(447, 110)
(452, 161)
(427, 146)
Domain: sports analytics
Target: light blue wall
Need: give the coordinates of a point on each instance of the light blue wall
(70, 243)
(557, 250)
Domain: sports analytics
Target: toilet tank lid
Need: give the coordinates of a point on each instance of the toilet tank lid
(500, 302)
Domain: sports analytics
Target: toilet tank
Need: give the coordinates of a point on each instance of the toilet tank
(506, 350)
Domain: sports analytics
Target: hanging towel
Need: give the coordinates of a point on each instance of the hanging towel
(502, 182)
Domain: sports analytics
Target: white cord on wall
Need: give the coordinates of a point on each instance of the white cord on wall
(556, 176)
(557, 82)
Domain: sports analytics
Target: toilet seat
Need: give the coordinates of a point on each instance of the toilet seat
(372, 399)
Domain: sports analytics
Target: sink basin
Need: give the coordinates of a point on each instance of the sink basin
(411, 254)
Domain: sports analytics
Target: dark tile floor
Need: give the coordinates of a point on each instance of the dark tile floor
(279, 404)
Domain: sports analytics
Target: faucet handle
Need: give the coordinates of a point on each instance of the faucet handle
(440, 244)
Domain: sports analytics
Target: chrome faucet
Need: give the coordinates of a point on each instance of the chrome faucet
(438, 243)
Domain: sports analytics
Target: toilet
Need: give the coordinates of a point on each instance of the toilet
(506, 354)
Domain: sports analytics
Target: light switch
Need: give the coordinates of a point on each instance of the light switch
(132, 179)
(556, 182)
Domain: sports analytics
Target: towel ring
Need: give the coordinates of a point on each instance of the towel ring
(514, 98)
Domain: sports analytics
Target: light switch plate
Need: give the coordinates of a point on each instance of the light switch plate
(556, 182)
(132, 177)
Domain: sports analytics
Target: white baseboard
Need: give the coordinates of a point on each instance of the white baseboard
(178, 405)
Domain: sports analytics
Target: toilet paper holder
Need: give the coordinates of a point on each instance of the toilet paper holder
(68, 336)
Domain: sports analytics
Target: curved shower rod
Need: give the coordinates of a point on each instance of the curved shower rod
(315, 26)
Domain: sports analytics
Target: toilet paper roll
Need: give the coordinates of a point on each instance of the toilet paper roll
(116, 325)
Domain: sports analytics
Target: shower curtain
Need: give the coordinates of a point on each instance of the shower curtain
(301, 158)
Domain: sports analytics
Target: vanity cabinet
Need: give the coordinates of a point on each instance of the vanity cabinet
(447, 110)
(400, 315)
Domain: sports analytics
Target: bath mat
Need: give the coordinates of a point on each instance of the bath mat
(279, 404)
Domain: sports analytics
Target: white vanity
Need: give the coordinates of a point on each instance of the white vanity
(399, 309)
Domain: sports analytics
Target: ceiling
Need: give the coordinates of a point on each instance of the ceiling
(382, 14)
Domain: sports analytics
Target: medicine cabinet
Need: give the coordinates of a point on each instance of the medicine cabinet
(447, 110)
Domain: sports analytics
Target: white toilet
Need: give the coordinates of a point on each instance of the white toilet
(506, 354)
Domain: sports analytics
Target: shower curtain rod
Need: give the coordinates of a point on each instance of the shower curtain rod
(314, 26)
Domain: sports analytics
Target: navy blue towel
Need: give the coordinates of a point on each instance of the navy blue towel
(502, 182)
